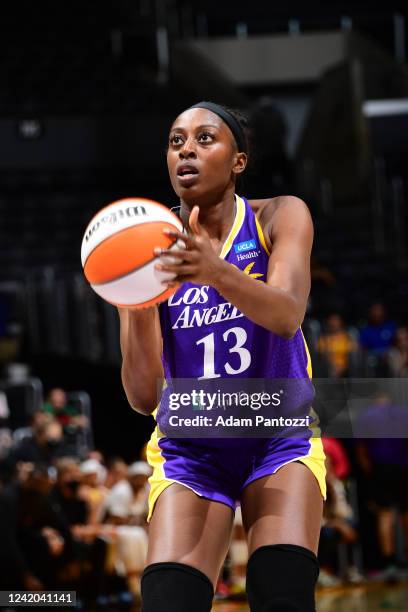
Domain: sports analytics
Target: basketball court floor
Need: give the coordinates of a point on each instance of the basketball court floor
(366, 598)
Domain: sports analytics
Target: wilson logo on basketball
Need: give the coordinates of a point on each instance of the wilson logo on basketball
(114, 217)
(117, 252)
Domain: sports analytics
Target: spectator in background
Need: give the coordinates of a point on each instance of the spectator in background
(97, 455)
(397, 356)
(117, 471)
(36, 419)
(337, 345)
(6, 439)
(126, 502)
(126, 507)
(382, 453)
(44, 446)
(90, 548)
(68, 416)
(338, 525)
(65, 492)
(376, 337)
(93, 488)
(9, 333)
(35, 546)
(339, 461)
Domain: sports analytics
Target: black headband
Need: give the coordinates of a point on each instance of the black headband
(233, 124)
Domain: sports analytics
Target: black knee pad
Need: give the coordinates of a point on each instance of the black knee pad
(282, 578)
(175, 587)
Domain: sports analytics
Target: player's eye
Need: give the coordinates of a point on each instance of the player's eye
(205, 137)
(175, 139)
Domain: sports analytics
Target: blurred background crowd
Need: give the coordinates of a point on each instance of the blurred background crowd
(73, 516)
(89, 91)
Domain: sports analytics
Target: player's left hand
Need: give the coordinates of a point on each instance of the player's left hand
(198, 262)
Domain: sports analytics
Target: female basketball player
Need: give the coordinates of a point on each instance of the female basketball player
(260, 303)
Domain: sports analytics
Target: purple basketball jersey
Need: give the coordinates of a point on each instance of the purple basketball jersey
(206, 337)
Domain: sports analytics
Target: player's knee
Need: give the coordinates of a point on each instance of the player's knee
(175, 587)
(282, 578)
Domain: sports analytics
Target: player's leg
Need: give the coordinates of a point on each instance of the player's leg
(285, 507)
(188, 541)
(282, 515)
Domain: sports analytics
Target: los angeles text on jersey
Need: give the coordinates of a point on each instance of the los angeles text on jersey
(196, 317)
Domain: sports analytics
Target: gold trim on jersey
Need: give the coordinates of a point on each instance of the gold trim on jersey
(315, 460)
(157, 481)
(261, 235)
(309, 361)
(236, 226)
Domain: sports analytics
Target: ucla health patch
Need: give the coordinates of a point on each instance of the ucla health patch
(247, 245)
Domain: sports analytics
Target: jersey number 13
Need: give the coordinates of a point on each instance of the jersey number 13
(209, 353)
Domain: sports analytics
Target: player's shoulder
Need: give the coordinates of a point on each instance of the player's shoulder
(276, 212)
(282, 204)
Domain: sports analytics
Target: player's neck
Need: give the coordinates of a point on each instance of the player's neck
(217, 218)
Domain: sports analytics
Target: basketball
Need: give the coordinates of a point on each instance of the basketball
(117, 252)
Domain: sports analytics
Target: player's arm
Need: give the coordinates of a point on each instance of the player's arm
(141, 346)
(280, 303)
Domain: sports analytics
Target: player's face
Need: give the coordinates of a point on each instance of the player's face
(202, 156)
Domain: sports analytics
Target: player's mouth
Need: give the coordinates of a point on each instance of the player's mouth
(187, 174)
